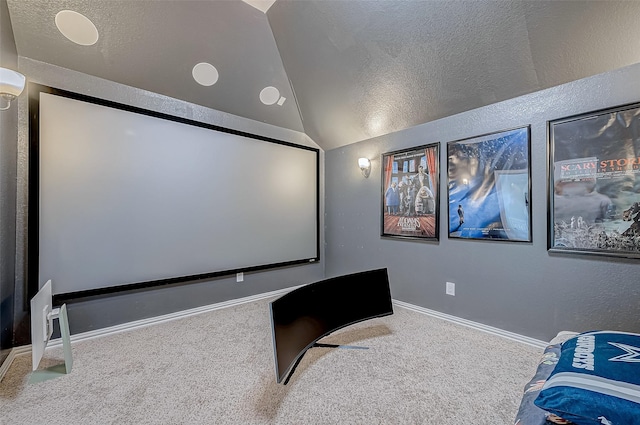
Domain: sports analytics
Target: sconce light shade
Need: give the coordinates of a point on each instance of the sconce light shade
(11, 85)
(365, 166)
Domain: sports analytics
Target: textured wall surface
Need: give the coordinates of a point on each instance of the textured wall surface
(519, 287)
(361, 69)
(8, 158)
(126, 307)
(357, 69)
(369, 74)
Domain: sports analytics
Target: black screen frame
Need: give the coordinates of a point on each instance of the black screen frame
(32, 278)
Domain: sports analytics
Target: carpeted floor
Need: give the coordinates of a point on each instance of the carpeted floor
(217, 368)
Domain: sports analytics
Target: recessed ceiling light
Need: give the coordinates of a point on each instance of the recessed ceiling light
(269, 95)
(77, 27)
(205, 74)
(281, 100)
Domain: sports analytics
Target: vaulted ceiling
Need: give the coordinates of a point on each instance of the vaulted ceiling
(344, 70)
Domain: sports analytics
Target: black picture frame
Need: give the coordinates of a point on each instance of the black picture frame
(415, 172)
(594, 182)
(489, 186)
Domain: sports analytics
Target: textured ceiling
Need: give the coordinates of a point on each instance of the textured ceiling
(154, 45)
(359, 69)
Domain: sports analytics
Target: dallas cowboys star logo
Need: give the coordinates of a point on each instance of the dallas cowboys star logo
(632, 353)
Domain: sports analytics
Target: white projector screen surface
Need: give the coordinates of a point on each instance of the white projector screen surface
(127, 198)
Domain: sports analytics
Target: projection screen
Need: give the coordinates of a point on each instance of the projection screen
(129, 197)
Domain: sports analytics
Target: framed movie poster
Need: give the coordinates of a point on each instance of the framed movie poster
(594, 183)
(410, 193)
(489, 186)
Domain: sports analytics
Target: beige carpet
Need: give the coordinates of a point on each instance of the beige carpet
(217, 368)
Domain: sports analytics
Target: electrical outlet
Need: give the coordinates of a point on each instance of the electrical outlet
(451, 288)
(239, 277)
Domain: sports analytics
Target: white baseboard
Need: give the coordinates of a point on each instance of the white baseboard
(15, 352)
(125, 327)
(475, 325)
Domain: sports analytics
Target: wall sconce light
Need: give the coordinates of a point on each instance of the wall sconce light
(11, 85)
(365, 166)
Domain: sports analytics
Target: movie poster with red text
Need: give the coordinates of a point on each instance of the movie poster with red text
(595, 183)
(410, 193)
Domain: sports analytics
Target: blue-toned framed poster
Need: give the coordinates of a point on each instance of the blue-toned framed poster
(489, 185)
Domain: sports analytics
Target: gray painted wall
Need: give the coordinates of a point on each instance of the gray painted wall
(518, 287)
(8, 161)
(126, 307)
